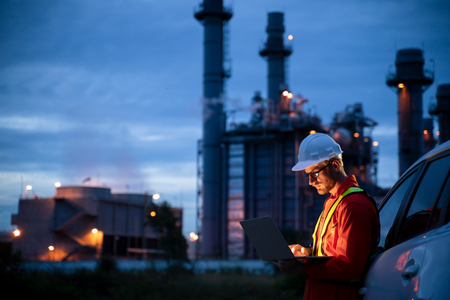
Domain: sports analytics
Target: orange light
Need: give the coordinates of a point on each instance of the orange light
(375, 143)
(57, 184)
(156, 196)
(437, 132)
(29, 187)
(94, 230)
(356, 134)
(51, 248)
(312, 132)
(16, 232)
(290, 96)
(366, 139)
(285, 93)
(401, 85)
(152, 214)
(425, 131)
(290, 37)
(193, 237)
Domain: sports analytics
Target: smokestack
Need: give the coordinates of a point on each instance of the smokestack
(274, 52)
(442, 110)
(213, 16)
(410, 82)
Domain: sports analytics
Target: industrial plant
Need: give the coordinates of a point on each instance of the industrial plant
(84, 223)
(244, 170)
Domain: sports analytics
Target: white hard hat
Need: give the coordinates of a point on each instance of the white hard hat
(316, 148)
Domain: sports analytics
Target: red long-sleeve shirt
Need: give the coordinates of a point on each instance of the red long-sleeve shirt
(351, 236)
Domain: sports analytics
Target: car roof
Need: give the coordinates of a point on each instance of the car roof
(441, 148)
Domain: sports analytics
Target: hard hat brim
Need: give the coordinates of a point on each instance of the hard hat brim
(301, 165)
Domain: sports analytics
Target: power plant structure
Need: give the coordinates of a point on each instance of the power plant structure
(410, 81)
(244, 170)
(83, 223)
(213, 16)
(441, 109)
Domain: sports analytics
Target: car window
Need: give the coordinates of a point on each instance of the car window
(390, 208)
(426, 204)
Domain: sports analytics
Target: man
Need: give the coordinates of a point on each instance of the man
(348, 228)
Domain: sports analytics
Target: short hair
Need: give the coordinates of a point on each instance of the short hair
(338, 158)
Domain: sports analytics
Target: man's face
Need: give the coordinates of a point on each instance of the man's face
(325, 181)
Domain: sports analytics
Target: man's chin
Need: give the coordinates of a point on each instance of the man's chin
(320, 191)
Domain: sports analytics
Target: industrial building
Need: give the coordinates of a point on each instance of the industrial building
(83, 223)
(244, 170)
(410, 81)
(441, 110)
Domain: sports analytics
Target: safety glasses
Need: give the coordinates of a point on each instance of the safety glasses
(316, 173)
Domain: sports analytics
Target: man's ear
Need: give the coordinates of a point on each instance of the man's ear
(336, 165)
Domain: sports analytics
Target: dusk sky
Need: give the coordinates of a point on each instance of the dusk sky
(112, 90)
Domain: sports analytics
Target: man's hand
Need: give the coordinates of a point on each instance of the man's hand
(289, 266)
(299, 250)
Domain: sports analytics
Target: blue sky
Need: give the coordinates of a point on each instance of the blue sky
(111, 89)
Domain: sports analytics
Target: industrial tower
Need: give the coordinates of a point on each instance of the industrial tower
(213, 16)
(275, 52)
(410, 81)
(442, 110)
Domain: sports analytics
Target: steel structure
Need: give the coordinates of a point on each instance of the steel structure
(254, 170)
(410, 81)
(213, 16)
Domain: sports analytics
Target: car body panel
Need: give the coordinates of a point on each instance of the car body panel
(385, 279)
(435, 265)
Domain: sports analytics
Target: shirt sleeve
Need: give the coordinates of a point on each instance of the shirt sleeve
(356, 220)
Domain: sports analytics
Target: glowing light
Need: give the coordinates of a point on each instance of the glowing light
(290, 96)
(57, 184)
(401, 85)
(152, 214)
(94, 230)
(285, 93)
(356, 134)
(366, 139)
(29, 187)
(193, 237)
(312, 132)
(437, 132)
(16, 232)
(51, 248)
(375, 143)
(156, 196)
(425, 131)
(290, 37)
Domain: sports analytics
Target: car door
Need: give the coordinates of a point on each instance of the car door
(432, 277)
(411, 212)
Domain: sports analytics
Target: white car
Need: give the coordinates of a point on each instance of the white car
(413, 255)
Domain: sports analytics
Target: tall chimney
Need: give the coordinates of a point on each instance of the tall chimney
(442, 110)
(275, 52)
(213, 16)
(410, 82)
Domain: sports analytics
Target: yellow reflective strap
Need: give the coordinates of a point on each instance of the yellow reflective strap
(314, 235)
(317, 245)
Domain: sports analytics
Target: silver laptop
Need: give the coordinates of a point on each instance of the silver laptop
(270, 243)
